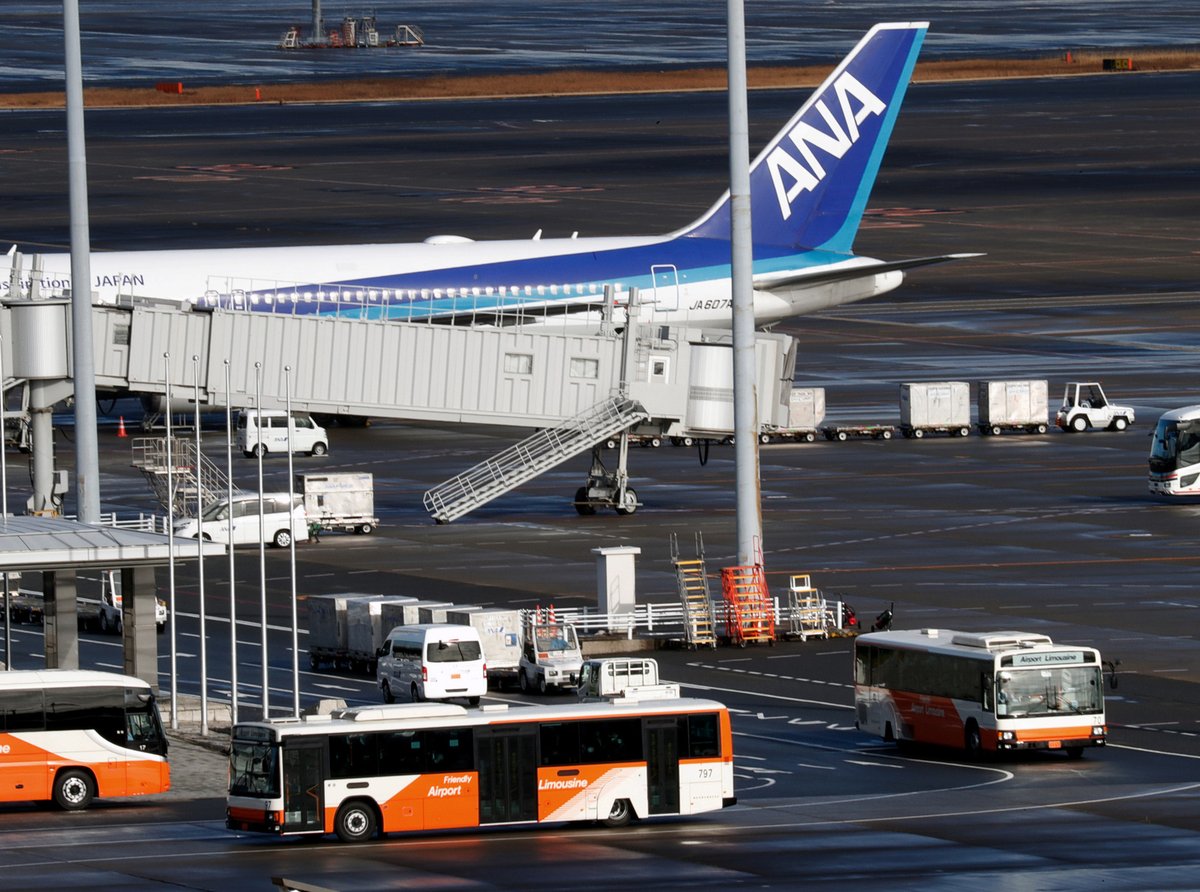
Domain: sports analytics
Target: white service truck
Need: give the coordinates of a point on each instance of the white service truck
(1084, 405)
(550, 657)
(104, 613)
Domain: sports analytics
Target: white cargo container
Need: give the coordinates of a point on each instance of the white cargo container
(365, 630)
(935, 406)
(429, 614)
(342, 501)
(392, 612)
(500, 633)
(1013, 405)
(327, 629)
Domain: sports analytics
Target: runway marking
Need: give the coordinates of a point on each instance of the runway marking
(873, 764)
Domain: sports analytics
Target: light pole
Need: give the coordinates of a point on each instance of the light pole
(171, 545)
(233, 663)
(262, 532)
(200, 549)
(287, 383)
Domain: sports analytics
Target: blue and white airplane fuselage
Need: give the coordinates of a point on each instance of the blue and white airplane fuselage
(809, 188)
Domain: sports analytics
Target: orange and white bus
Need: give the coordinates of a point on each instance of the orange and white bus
(70, 735)
(982, 692)
(423, 766)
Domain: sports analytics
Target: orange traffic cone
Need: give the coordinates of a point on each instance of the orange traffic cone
(121, 427)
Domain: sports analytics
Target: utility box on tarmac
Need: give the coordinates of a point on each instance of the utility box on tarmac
(1013, 405)
(342, 501)
(938, 406)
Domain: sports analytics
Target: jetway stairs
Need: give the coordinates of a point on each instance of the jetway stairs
(177, 483)
(749, 611)
(534, 455)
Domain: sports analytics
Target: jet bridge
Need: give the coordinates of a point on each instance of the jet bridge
(541, 377)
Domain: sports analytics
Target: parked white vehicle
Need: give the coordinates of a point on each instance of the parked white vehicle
(308, 437)
(438, 661)
(1084, 405)
(105, 612)
(238, 524)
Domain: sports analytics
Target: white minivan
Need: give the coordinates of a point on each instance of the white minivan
(436, 661)
(238, 523)
(308, 437)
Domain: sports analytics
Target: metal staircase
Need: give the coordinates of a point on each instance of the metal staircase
(532, 456)
(699, 621)
(150, 457)
(749, 613)
(806, 609)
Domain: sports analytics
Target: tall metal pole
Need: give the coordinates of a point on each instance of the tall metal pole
(745, 391)
(262, 533)
(171, 547)
(87, 461)
(4, 501)
(233, 662)
(287, 383)
(200, 549)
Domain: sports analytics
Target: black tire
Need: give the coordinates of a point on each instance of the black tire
(688, 441)
(74, 789)
(842, 436)
(319, 449)
(259, 449)
(314, 662)
(610, 444)
(102, 622)
(964, 432)
(541, 684)
(620, 815)
(474, 701)
(1041, 428)
(809, 437)
(355, 822)
(1120, 423)
(629, 503)
(764, 439)
(1074, 752)
(386, 689)
(415, 693)
(885, 435)
(973, 742)
(282, 539)
(364, 529)
(581, 507)
(524, 682)
(1079, 424)
(995, 430)
(918, 433)
(654, 442)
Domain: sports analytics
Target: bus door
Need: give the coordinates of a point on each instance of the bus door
(303, 786)
(507, 763)
(662, 765)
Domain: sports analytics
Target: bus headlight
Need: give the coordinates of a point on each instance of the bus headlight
(1097, 730)
(1008, 735)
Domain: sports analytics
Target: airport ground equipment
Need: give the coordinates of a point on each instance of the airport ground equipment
(342, 501)
(500, 634)
(749, 611)
(1021, 406)
(327, 630)
(1085, 406)
(807, 613)
(691, 577)
(187, 475)
(935, 407)
(550, 653)
(623, 678)
(844, 432)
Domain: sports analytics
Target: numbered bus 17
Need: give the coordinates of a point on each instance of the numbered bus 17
(981, 692)
(1175, 453)
(69, 736)
(422, 766)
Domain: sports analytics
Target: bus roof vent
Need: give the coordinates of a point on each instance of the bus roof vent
(494, 707)
(993, 641)
(400, 711)
(931, 633)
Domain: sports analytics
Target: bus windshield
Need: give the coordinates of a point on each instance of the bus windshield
(1176, 444)
(1049, 691)
(253, 769)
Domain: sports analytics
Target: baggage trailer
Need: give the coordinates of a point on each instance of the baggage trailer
(339, 501)
(1021, 406)
(327, 630)
(500, 634)
(935, 407)
(843, 432)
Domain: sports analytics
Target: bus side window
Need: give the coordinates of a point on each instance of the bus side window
(987, 683)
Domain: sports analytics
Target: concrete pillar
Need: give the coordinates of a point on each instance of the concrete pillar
(616, 581)
(62, 619)
(140, 632)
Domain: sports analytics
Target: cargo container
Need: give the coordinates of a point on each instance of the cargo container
(1013, 406)
(327, 629)
(365, 630)
(935, 407)
(500, 633)
(341, 501)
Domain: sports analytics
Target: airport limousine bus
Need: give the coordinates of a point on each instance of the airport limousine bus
(425, 766)
(982, 692)
(1175, 453)
(70, 735)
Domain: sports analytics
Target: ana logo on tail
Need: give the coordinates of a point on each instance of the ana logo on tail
(854, 104)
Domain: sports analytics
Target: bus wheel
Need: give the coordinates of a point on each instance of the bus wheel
(973, 741)
(621, 814)
(1074, 752)
(355, 822)
(73, 790)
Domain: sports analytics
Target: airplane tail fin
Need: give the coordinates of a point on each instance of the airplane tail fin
(809, 186)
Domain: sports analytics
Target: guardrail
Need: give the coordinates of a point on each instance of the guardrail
(668, 621)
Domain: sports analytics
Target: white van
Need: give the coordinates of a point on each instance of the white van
(279, 525)
(432, 662)
(307, 436)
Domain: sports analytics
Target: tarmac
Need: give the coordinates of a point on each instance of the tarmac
(199, 762)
